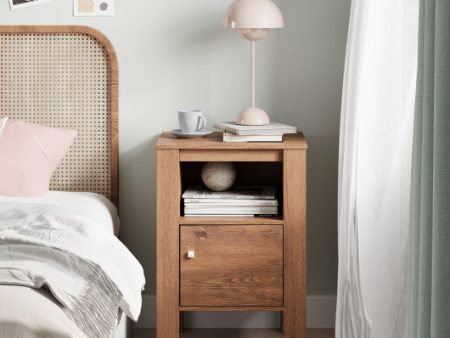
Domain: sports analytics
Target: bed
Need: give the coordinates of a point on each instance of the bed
(63, 76)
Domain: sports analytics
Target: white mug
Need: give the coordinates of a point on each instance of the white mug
(191, 121)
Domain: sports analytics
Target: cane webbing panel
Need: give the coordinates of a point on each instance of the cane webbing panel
(63, 80)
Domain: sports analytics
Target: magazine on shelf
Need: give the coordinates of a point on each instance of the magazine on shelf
(232, 210)
(231, 213)
(229, 202)
(235, 193)
(207, 215)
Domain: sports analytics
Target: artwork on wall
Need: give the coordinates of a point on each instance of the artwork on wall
(17, 4)
(93, 7)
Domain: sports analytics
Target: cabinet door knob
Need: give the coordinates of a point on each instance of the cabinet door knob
(190, 254)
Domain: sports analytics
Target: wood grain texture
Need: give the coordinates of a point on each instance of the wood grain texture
(230, 220)
(113, 94)
(233, 265)
(294, 315)
(231, 308)
(241, 264)
(214, 141)
(167, 234)
(248, 155)
(235, 333)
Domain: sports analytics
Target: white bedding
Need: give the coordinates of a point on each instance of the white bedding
(65, 241)
(95, 206)
(34, 313)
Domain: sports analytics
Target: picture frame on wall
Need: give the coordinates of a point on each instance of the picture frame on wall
(93, 7)
(18, 4)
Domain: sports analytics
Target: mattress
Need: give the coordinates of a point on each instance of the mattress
(26, 312)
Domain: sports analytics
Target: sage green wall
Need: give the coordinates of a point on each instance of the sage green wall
(175, 53)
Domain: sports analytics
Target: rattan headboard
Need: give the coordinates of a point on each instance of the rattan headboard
(66, 76)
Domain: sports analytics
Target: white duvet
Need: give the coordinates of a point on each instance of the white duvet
(65, 242)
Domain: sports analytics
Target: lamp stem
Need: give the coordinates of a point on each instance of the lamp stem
(253, 73)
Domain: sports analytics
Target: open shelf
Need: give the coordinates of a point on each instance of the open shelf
(248, 174)
(231, 220)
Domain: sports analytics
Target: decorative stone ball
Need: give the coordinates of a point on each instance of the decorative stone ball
(219, 176)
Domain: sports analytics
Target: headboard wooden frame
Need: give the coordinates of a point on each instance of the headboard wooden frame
(66, 76)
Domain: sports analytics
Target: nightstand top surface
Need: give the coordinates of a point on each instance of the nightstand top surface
(214, 141)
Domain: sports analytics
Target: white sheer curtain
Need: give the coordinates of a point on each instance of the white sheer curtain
(375, 165)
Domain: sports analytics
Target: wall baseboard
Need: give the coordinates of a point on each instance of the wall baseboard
(320, 314)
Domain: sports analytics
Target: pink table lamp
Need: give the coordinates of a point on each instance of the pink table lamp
(253, 19)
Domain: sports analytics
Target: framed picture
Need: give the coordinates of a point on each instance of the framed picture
(17, 4)
(93, 7)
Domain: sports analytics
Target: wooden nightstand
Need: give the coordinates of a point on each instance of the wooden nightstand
(241, 264)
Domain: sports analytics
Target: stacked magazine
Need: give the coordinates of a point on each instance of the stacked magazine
(237, 202)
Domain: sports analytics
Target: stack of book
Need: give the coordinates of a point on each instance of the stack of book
(272, 132)
(237, 202)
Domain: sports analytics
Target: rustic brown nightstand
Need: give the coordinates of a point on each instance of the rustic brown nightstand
(241, 264)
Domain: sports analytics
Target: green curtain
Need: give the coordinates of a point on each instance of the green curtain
(430, 208)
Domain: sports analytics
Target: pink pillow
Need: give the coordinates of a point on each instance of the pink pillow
(29, 154)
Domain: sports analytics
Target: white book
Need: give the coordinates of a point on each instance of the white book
(229, 138)
(211, 214)
(273, 128)
(237, 193)
(228, 206)
(207, 215)
(233, 210)
(230, 202)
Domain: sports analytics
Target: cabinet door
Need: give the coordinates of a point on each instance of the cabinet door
(231, 265)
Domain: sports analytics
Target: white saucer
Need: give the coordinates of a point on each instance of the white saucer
(179, 133)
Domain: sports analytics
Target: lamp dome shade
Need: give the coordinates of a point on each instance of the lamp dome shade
(254, 14)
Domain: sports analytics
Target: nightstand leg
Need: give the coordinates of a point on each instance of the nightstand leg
(294, 172)
(168, 189)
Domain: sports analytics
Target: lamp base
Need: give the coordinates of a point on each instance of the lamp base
(253, 117)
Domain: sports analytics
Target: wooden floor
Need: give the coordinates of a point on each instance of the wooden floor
(228, 333)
